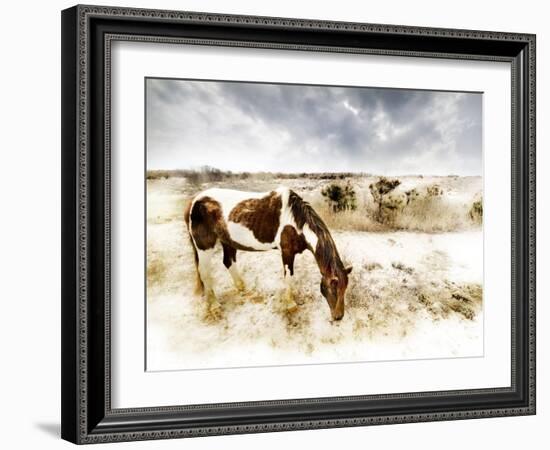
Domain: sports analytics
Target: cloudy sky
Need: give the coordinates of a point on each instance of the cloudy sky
(252, 127)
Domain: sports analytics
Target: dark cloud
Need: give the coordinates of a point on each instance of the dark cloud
(262, 127)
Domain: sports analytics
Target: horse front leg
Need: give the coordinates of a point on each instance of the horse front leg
(230, 262)
(290, 304)
(288, 266)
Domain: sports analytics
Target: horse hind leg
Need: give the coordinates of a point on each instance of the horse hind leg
(230, 262)
(205, 271)
(203, 218)
(199, 285)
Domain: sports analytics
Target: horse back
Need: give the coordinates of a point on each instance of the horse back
(247, 220)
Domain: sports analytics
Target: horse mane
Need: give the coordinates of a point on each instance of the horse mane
(325, 252)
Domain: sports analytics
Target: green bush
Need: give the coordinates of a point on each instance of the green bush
(340, 197)
(380, 191)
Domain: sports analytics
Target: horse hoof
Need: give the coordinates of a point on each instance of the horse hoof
(215, 311)
(291, 307)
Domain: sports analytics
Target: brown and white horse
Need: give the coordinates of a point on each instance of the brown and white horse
(251, 221)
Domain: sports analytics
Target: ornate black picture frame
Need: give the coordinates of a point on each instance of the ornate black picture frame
(87, 34)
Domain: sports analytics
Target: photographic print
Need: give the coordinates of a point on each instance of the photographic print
(306, 224)
(266, 219)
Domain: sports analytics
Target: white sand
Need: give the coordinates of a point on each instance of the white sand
(399, 303)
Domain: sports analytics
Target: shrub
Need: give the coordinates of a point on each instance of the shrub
(476, 211)
(194, 177)
(383, 186)
(340, 198)
(434, 190)
(380, 191)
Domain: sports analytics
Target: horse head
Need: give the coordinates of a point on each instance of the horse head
(333, 288)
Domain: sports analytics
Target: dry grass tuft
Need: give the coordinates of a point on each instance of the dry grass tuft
(431, 215)
(156, 271)
(476, 212)
(442, 300)
(350, 220)
(369, 267)
(402, 267)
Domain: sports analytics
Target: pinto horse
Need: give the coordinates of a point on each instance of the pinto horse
(251, 221)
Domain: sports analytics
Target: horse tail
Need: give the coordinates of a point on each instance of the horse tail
(199, 287)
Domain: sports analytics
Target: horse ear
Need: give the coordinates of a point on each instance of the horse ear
(348, 269)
